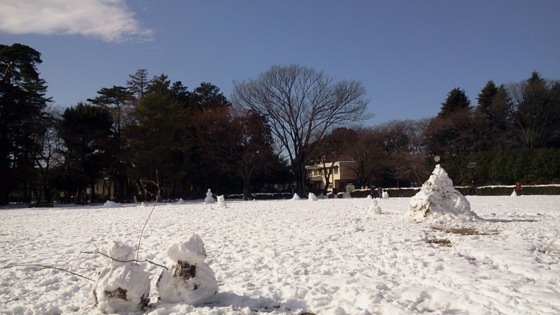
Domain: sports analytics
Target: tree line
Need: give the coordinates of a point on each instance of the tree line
(132, 139)
(511, 134)
(152, 133)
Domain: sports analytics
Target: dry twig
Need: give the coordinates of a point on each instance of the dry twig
(47, 267)
(157, 195)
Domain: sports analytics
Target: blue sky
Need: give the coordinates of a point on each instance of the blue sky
(408, 54)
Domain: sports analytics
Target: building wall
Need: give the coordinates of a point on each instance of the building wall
(342, 175)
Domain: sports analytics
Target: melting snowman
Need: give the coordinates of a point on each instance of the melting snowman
(188, 279)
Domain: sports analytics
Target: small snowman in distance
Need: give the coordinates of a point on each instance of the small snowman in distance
(385, 195)
(222, 201)
(209, 199)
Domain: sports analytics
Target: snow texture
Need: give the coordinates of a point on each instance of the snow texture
(375, 208)
(332, 256)
(438, 199)
(189, 279)
(111, 204)
(296, 197)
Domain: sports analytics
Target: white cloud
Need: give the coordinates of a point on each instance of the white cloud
(109, 20)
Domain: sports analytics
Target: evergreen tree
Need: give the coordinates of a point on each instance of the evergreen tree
(87, 132)
(501, 120)
(554, 140)
(537, 114)
(452, 130)
(154, 139)
(456, 100)
(137, 83)
(485, 97)
(117, 100)
(483, 117)
(209, 133)
(22, 108)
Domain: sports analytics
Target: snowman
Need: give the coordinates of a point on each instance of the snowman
(122, 285)
(188, 279)
(222, 201)
(209, 199)
(385, 195)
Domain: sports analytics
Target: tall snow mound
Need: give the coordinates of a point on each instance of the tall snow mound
(438, 198)
(189, 279)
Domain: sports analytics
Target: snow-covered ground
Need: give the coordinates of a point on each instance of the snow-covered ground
(330, 256)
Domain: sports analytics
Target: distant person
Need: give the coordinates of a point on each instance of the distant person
(518, 189)
(374, 193)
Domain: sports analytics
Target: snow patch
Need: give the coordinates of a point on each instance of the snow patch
(111, 204)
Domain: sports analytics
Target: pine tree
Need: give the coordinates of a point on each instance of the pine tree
(87, 132)
(537, 114)
(22, 108)
(483, 116)
(137, 84)
(456, 100)
(485, 97)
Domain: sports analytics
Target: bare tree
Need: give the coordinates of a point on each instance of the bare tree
(301, 105)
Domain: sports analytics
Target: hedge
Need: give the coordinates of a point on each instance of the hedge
(505, 167)
(501, 190)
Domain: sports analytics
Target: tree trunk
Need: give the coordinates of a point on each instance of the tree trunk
(246, 190)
